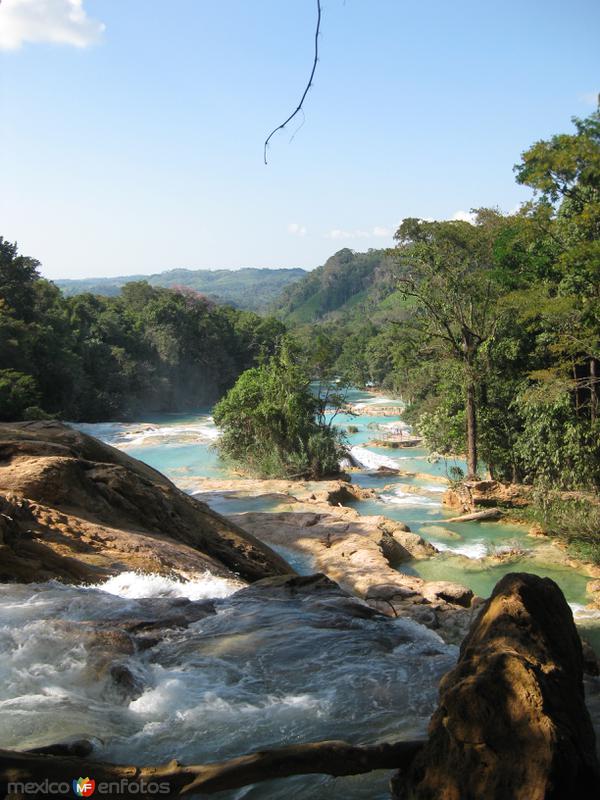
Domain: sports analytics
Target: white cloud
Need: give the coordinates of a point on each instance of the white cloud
(464, 216)
(378, 232)
(296, 229)
(56, 21)
(381, 232)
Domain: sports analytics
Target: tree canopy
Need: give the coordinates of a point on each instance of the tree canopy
(92, 358)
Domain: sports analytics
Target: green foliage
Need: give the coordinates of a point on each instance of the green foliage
(272, 423)
(348, 282)
(574, 519)
(92, 358)
(18, 393)
(508, 306)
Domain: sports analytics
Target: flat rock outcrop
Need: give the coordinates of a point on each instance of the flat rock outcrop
(77, 509)
(361, 553)
(511, 723)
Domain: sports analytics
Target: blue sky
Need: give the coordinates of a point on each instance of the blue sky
(131, 131)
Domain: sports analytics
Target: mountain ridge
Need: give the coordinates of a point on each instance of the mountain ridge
(250, 288)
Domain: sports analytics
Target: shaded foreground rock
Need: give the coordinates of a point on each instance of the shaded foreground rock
(77, 509)
(511, 722)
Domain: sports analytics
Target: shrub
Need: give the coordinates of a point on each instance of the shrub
(272, 424)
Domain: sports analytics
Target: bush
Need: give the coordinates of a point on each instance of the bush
(575, 520)
(269, 423)
(18, 393)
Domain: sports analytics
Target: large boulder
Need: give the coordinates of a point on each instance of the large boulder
(511, 722)
(75, 508)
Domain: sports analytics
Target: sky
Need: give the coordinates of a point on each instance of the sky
(131, 131)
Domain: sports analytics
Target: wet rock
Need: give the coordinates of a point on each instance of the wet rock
(439, 532)
(591, 662)
(511, 723)
(71, 747)
(128, 685)
(293, 585)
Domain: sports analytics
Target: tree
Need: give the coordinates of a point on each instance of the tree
(564, 172)
(448, 269)
(272, 422)
(17, 276)
(18, 394)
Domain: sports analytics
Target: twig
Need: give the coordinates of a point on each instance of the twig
(308, 85)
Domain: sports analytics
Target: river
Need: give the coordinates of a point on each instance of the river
(254, 674)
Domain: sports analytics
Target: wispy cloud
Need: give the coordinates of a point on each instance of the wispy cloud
(464, 216)
(56, 21)
(378, 232)
(296, 229)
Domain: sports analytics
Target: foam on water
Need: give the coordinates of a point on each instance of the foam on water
(134, 435)
(474, 550)
(137, 585)
(264, 670)
(411, 499)
(370, 460)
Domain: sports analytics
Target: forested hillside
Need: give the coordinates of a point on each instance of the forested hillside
(248, 288)
(490, 331)
(348, 282)
(104, 358)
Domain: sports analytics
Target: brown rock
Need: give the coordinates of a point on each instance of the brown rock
(450, 592)
(511, 722)
(81, 510)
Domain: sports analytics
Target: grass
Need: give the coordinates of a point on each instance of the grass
(573, 519)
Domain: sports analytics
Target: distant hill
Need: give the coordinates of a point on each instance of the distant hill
(249, 288)
(347, 284)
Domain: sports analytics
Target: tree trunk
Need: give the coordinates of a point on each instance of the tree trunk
(471, 412)
(328, 758)
(593, 391)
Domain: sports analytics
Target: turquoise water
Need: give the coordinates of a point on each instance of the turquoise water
(183, 448)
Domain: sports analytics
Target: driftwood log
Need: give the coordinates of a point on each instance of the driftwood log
(477, 516)
(335, 758)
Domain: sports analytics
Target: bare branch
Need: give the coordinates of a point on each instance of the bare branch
(328, 758)
(308, 85)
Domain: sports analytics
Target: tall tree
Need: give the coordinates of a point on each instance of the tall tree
(448, 269)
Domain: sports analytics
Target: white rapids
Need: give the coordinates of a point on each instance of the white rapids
(253, 670)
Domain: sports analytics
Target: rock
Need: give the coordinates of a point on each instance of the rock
(472, 495)
(593, 589)
(382, 472)
(450, 592)
(511, 723)
(591, 662)
(360, 554)
(313, 589)
(81, 748)
(439, 532)
(80, 510)
(536, 531)
(395, 442)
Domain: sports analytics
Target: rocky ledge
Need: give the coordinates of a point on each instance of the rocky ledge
(76, 509)
(362, 554)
